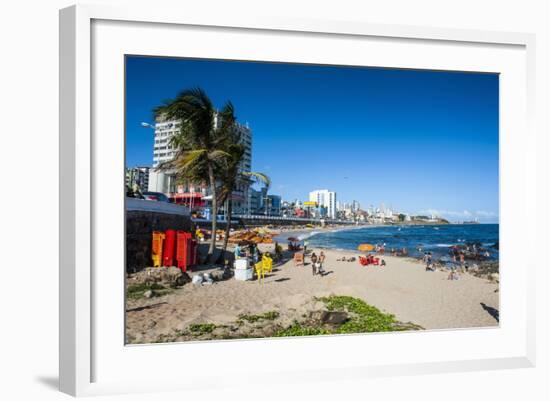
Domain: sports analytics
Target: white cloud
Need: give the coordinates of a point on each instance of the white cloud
(461, 215)
(486, 214)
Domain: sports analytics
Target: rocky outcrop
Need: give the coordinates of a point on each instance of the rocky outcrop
(167, 276)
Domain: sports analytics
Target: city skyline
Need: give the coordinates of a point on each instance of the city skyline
(369, 134)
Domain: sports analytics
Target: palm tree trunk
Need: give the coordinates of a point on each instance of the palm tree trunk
(227, 225)
(214, 212)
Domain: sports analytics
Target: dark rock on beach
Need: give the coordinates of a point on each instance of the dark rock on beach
(334, 318)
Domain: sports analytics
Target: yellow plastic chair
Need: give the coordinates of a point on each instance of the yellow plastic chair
(264, 266)
(268, 262)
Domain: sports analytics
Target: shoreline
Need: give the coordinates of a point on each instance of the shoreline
(440, 250)
(298, 233)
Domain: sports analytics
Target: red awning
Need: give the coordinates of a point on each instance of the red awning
(187, 195)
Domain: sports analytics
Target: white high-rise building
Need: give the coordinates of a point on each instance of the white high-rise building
(195, 193)
(163, 151)
(325, 198)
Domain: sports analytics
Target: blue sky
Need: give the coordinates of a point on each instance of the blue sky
(419, 141)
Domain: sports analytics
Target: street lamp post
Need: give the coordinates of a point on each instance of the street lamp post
(147, 125)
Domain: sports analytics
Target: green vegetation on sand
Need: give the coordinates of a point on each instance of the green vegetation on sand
(136, 291)
(363, 318)
(202, 328)
(271, 315)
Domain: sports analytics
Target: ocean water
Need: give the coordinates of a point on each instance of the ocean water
(434, 239)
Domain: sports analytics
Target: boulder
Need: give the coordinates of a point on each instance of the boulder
(217, 275)
(207, 279)
(167, 276)
(334, 318)
(220, 275)
(329, 317)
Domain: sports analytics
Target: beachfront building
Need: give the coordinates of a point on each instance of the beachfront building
(254, 201)
(348, 210)
(325, 198)
(261, 203)
(138, 177)
(274, 205)
(195, 195)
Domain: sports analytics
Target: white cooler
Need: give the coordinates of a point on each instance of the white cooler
(244, 274)
(241, 264)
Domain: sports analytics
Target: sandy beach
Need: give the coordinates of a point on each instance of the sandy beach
(402, 288)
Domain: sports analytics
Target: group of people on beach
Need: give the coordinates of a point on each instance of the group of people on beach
(458, 267)
(472, 251)
(317, 263)
(428, 259)
(399, 252)
(253, 252)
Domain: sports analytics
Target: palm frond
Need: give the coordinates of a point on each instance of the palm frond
(218, 155)
(259, 177)
(190, 158)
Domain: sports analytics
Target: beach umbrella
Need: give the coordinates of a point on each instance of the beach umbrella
(293, 239)
(365, 247)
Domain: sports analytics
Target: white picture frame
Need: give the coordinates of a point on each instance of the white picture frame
(85, 355)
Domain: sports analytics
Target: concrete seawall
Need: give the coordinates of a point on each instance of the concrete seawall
(142, 218)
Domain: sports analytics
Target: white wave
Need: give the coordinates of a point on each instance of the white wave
(310, 234)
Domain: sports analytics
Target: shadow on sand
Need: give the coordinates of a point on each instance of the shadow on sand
(491, 311)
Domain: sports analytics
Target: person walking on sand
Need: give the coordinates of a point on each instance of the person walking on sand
(314, 263)
(305, 246)
(321, 261)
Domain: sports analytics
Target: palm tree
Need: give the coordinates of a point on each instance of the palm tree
(200, 141)
(230, 176)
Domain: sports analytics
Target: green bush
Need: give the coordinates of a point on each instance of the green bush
(202, 328)
(136, 291)
(300, 330)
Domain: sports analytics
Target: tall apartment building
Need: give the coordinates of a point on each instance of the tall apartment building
(165, 130)
(138, 176)
(325, 198)
(194, 194)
